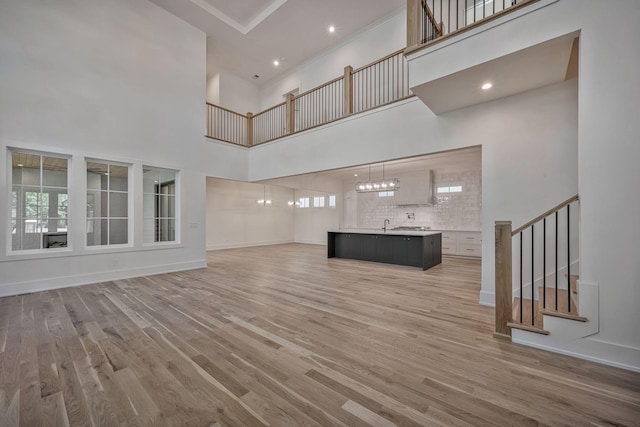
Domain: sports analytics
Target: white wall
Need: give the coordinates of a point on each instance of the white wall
(372, 43)
(234, 219)
(311, 224)
(122, 80)
(238, 94)
(213, 89)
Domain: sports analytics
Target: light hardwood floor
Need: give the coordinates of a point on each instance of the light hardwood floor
(283, 336)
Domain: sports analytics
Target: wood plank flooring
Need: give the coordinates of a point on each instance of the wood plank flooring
(283, 336)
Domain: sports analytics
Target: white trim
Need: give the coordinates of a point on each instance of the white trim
(598, 348)
(487, 299)
(84, 279)
(220, 246)
(244, 29)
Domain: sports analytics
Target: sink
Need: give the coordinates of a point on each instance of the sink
(411, 228)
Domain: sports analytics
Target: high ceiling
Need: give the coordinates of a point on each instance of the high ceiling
(246, 36)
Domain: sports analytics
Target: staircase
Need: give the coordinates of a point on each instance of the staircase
(538, 284)
(550, 301)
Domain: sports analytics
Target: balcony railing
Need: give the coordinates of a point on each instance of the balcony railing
(432, 20)
(381, 82)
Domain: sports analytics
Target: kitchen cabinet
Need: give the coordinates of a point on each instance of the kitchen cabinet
(348, 245)
(414, 250)
(377, 247)
(462, 243)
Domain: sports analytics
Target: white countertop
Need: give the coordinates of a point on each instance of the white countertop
(389, 231)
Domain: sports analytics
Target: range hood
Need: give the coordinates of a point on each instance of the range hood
(418, 189)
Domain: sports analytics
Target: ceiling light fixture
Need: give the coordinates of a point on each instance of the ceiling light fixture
(332, 29)
(487, 86)
(391, 184)
(276, 62)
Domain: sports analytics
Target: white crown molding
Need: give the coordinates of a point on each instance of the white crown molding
(244, 29)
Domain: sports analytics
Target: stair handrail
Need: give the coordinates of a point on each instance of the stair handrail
(503, 268)
(436, 27)
(546, 214)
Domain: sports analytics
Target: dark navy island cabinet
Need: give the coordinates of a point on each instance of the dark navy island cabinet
(422, 251)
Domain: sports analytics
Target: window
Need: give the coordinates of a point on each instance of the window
(450, 189)
(107, 203)
(159, 205)
(386, 193)
(39, 201)
(303, 202)
(318, 202)
(332, 201)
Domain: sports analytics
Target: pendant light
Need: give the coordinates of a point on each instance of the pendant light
(391, 184)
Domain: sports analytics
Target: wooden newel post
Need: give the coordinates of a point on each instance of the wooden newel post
(249, 142)
(413, 22)
(348, 90)
(290, 111)
(503, 288)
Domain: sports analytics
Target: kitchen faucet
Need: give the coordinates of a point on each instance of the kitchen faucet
(384, 225)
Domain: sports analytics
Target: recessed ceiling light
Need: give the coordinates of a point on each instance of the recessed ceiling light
(276, 62)
(332, 29)
(487, 86)
(355, 174)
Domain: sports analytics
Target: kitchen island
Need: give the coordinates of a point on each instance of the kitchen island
(414, 248)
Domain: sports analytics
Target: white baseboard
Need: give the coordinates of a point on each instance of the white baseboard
(594, 351)
(312, 242)
(487, 298)
(246, 244)
(84, 279)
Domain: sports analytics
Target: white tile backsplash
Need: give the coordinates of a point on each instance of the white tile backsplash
(453, 211)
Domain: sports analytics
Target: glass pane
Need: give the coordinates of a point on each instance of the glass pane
(94, 232)
(148, 230)
(118, 231)
(168, 179)
(63, 204)
(167, 207)
(30, 176)
(54, 172)
(14, 225)
(93, 203)
(54, 202)
(102, 204)
(166, 230)
(14, 201)
(150, 179)
(30, 200)
(150, 206)
(119, 176)
(97, 176)
(27, 166)
(118, 204)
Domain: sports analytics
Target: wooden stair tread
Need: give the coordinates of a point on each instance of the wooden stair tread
(526, 313)
(528, 328)
(554, 313)
(563, 301)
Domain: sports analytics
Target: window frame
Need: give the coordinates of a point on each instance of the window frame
(130, 205)
(41, 251)
(177, 241)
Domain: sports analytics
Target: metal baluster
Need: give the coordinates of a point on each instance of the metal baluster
(544, 263)
(533, 280)
(521, 295)
(556, 261)
(568, 261)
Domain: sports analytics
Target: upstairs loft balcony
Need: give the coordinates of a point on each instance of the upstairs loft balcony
(382, 82)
